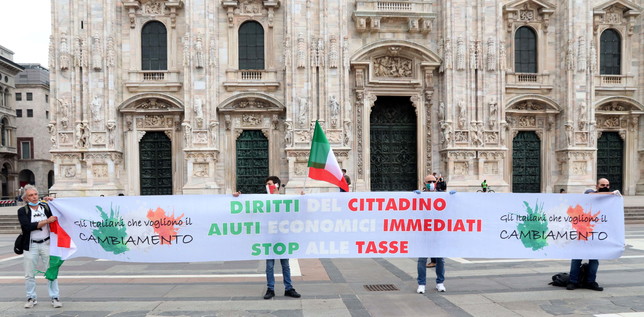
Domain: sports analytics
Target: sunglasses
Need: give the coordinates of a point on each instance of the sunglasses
(604, 185)
(430, 182)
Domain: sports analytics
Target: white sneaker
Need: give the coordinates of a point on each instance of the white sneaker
(421, 289)
(440, 287)
(31, 302)
(56, 303)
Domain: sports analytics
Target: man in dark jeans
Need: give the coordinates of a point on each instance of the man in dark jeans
(273, 187)
(602, 187)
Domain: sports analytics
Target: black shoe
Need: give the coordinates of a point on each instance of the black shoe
(292, 293)
(269, 294)
(571, 286)
(594, 286)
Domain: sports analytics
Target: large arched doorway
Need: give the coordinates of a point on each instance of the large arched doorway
(155, 162)
(526, 163)
(393, 144)
(26, 177)
(610, 159)
(252, 162)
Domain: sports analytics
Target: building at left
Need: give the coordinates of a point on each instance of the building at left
(8, 151)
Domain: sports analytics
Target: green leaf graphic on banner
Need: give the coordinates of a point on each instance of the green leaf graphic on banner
(111, 231)
(534, 222)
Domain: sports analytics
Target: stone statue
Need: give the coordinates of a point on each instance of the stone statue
(96, 109)
(303, 107)
(288, 133)
(461, 114)
(111, 125)
(81, 135)
(97, 53)
(214, 132)
(187, 133)
(199, 59)
(493, 112)
(64, 53)
(52, 133)
(334, 107)
(446, 132)
(198, 109)
(441, 111)
(63, 112)
(583, 115)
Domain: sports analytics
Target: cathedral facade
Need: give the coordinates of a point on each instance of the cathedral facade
(157, 97)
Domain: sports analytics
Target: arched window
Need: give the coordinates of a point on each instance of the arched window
(610, 55)
(525, 50)
(251, 46)
(154, 48)
(3, 131)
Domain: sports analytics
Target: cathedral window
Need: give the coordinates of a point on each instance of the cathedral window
(154, 48)
(251, 45)
(610, 53)
(525, 50)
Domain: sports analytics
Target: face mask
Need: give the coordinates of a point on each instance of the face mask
(603, 190)
(430, 187)
(33, 204)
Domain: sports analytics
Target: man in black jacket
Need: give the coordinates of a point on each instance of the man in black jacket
(35, 218)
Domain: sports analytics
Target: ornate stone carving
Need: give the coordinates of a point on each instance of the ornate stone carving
(579, 168)
(460, 53)
(64, 53)
(333, 52)
(140, 135)
(493, 107)
(334, 110)
(199, 53)
(82, 133)
(581, 54)
(491, 54)
(461, 168)
(301, 51)
(64, 112)
(612, 106)
(51, 55)
(347, 133)
(570, 55)
(52, 134)
(608, 122)
(251, 120)
(200, 170)
(446, 134)
(527, 122)
(395, 67)
(317, 52)
(111, 53)
(186, 50)
(187, 133)
(475, 54)
(200, 137)
(302, 136)
(99, 170)
(198, 110)
(212, 53)
(461, 137)
(582, 115)
(69, 171)
(98, 138)
(447, 59)
(461, 114)
(569, 133)
(227, 122)
(65, 138)
(97, 53)
(303, 107)
(96, 108)
(152, 104)
(502, 56)
(477, 134)
(111, 125)
(529, 105)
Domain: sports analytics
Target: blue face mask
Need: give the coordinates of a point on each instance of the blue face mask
(33, 204)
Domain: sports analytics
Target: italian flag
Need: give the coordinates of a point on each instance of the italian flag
(61, 248)
(323, 165)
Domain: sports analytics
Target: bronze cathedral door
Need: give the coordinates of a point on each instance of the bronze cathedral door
(155, 163)
(393, 145)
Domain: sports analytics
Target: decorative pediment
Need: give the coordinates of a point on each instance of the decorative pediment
(250, 8)
(251, 103)
(616, 13)
(152, 8)
(148, 103)
(528, 11)
(619, 106)
(532, 104)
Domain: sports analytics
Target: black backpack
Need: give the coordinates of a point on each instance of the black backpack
(562, 279)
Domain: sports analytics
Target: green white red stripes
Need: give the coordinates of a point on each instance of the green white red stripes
(61, 248)
(323, 165)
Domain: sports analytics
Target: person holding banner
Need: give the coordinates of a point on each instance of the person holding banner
(602, 187)
(273, 187)
(34, 219)
(430, 186)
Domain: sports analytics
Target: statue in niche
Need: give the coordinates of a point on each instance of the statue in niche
(448, 54)
(214, 132)
(334, 108)
(301, 51)
(64, 53)
(52, 133)
(569, 134)
(581, 56)
(460, 53)
(583, 115)
(288, 133)
(199, 111)
(347, 132)
(63, 112)
(213, 53)
(477, 134)
(333, 52)
(81, 135)
(491, 54)
(441, 111)
(97, 54)
(96, 109)
(570, 56)
(446, 133)
(502, 56)
(303, 107)
(460, 107)
(187, 133)
(199, 59)
(186, 50)
(111, 54)
(111, 125)
(493, 112)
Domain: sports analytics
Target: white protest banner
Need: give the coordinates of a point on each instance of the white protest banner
(350, 225)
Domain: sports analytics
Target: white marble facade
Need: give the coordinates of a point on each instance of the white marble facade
(454, 59)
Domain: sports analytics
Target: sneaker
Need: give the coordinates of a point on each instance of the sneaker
(421, 289)
(440, 287)
(571, 286)
(594, 286)
(56, 303)
(269, 294)
(292, 293)
(31, 302)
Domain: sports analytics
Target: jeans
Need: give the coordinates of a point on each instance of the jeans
(422, 270)
(38, 255)
(286, 274)
(591, 274)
